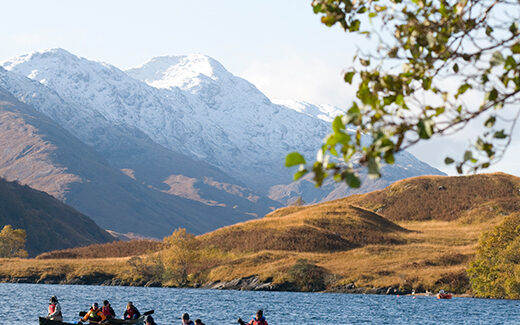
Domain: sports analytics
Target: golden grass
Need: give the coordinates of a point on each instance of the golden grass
(112, 249)
(429, 244)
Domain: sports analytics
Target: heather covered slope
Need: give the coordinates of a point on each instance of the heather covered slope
(326, 227)
(346, 245)
(49, 224)
(445, 198)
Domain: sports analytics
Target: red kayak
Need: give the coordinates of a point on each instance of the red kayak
(444, 296)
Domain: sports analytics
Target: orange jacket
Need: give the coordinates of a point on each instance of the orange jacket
(95, 315)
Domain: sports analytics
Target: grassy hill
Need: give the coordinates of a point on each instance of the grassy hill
(444, 198)
(49, 223)
(420, 233)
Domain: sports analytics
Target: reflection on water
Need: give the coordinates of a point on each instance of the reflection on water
(23, 303)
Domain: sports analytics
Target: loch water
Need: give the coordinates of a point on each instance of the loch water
(23, 303)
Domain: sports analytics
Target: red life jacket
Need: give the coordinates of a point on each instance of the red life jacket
(130, 313)
(106, 311)
(52, 308)
(262, 321)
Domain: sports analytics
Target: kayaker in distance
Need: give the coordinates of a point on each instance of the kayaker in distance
(107, 310)
(186, 319)
(131, 312)
(54, 309)
(259, 319)
(94, 314)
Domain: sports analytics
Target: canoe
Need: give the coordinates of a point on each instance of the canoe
(45, 321)
(117, 321)
(113, 321)
(444, 296)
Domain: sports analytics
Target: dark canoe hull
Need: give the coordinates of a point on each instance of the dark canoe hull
(113, 321)
(116, 321)
(45, 321)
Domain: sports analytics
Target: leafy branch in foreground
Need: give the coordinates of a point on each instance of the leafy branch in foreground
(428, 68)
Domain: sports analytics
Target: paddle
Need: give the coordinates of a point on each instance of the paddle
(241, 322)
(146, 313)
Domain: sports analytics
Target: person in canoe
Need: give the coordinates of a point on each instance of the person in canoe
(149, 320)
(259, 319)
(131, 312)
(107, 310)
(199, 322)
(94, 314)
(186, 319)
(54, 310)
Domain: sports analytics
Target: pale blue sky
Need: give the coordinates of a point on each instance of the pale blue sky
(279, 45)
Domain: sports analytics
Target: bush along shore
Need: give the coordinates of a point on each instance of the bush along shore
(250, 283)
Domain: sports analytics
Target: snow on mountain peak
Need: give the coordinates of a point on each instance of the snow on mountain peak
(185, 71)
(324, 112)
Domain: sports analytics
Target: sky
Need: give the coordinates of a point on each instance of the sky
(278, 45)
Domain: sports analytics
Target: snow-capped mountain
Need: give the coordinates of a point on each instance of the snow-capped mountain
(324, 112)
(130, 179)
(219, 118)
(193, 105)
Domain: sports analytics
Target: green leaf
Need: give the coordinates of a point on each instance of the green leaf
(389, 158)
(352, 180)
(427, 83)
(337, 124)
(293, 159)
(468, 155)
(364, 62)
(399, 100)
(496, 59)
(354, 26)
(349, 76)
(490, 122)
(510, 62)
(516, 48)
(374, 167)
(462, 90)
(425, 128)
(456, 68)
(500, 135)
(493, 94)
(448, 161)
(300, 173)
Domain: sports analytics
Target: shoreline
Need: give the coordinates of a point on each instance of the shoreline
(250, 283)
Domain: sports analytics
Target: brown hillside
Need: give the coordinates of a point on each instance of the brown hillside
(444, 198)
(331, 226)
(114, 249)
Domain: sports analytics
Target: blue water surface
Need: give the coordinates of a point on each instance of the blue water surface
(23, 303)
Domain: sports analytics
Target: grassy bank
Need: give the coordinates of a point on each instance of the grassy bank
(433, 255)
(418, 234)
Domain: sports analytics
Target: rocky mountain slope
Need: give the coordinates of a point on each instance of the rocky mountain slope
(38, 152)
(192, 104)
(48, 223)
(185, 131)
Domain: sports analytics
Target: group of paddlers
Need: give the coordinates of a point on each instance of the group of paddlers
(96, 314)
(100, 315)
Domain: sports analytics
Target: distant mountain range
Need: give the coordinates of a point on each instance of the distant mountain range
(181, 141)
